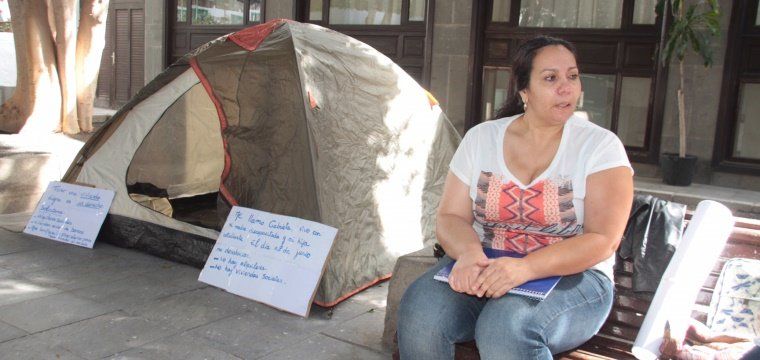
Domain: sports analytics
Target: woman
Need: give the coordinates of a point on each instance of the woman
(539, 181)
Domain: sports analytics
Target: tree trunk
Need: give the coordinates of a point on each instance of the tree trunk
(681, 115)
(681, 102)
(56, 67)
(37, 97)
(64, 14)
(90, 43)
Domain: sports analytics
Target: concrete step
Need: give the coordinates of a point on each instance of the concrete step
(100, 115)
(28, 164)
(744, 203)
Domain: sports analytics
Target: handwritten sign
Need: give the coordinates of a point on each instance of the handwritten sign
(274, 259)
(70, 213)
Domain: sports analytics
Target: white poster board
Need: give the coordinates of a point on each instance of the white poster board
(693, 260)
(274, 259)
(70, 213)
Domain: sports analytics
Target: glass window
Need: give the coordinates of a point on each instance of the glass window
(632, 114)
(254, 12)
(643, 12)
(619, 84)
(500, 12)
(315, 10)
(218, 12)
(495, 89)
(737, 147)
(748, 123)
(365, 12)
(417, 10)
(597, 98)
(571, 14)
(181, 10)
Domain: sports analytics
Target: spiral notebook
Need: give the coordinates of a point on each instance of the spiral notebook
(535, 289)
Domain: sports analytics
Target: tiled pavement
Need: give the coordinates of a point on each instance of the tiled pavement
(60, 301)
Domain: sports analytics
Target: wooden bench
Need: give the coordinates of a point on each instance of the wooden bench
(615, 339)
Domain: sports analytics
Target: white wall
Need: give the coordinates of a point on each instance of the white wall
(8, 67)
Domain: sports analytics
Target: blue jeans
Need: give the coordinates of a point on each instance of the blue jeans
(432, 318)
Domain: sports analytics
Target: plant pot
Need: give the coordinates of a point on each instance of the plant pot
(678, 170)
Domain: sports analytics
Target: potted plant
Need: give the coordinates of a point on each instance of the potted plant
(692, 27)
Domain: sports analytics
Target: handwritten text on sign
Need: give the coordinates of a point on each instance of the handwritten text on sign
(270, 258)
(70, 213)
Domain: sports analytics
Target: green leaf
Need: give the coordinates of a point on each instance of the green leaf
(692, 29)
(690, 11)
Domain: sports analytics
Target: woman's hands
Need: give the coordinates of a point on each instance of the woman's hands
(466, 270)
(477, 275)
(501, 275)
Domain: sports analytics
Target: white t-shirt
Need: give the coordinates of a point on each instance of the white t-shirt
(521, 217)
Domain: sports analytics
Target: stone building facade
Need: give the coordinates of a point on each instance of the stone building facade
(460, 49)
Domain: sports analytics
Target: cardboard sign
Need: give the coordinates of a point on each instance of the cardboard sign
(70, 213)
(274, 259)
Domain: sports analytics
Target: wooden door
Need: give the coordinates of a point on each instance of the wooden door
(121, 68)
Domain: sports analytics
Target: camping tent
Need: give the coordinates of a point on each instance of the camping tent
(284, 117)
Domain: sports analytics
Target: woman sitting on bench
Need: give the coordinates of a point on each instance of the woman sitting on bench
(539, 181)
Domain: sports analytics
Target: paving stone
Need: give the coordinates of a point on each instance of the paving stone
(178, 275)
(107, 335)
(370, 299)
(15, 288)
(180, 346)
(129, 292)
(13, 244)
(143, 259)
(46, 258)
(87, 273)
(263, 330)
(49, 312)
(193, 308)
(374, 297)
(9, 332)
(365, 330)
(34, 347)
(322, 347)
(92, 254)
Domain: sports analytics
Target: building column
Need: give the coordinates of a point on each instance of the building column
(155, 39)
(451, 47)
(280, 9)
